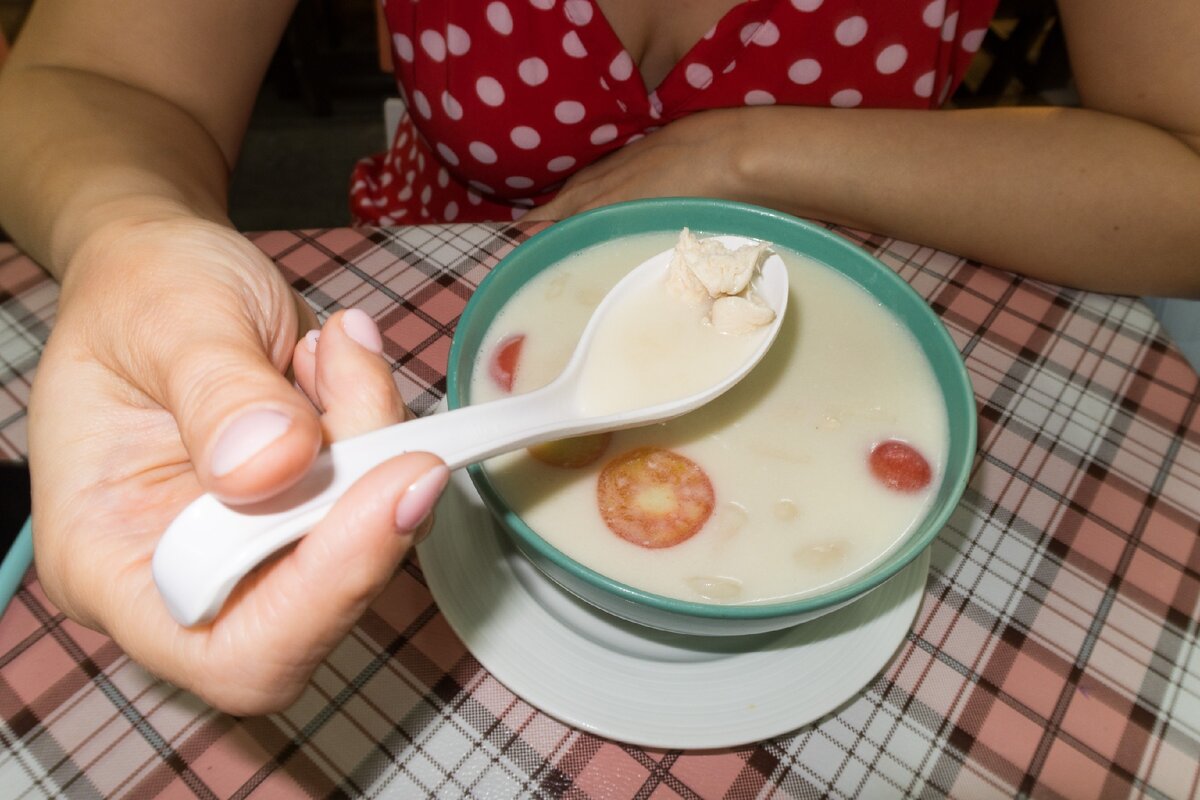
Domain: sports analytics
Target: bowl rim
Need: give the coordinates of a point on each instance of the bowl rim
(958, 462)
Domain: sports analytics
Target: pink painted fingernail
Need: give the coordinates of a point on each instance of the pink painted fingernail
(310, 341)
(246, 437)
(418, 500)
(359, 326)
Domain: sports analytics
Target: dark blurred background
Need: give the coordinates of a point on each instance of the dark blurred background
(321, 109)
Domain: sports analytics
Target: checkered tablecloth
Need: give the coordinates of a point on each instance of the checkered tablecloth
(1054, 655)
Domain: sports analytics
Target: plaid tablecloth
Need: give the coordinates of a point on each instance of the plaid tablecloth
(1054, 655)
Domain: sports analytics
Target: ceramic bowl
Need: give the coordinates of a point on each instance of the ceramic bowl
(718, 217)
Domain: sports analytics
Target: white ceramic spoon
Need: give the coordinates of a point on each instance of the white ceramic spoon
(210, 546)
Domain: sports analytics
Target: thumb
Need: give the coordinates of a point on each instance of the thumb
(249, 432)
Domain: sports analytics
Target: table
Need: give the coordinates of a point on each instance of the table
(1055, 652)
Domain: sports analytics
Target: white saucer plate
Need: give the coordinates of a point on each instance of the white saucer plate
(632, 684)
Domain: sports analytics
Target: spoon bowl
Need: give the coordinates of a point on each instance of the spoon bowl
(211, 546)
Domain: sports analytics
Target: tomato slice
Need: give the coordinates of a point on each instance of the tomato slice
(573, 453)
(503, 366)
(654, 497)
(899, 466)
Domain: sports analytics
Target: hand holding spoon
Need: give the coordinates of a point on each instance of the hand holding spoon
(211, 546)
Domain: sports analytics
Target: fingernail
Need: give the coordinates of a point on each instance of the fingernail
(359, 326)
(310, 341)
(246, 437)
(418, 500)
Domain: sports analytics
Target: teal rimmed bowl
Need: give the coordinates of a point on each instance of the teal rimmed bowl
(717, 217)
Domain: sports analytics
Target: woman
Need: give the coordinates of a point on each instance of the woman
(165, 373)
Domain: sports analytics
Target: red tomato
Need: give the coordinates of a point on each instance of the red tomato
(578, 451)
(899, 466)
(503, 366)
(654, 497)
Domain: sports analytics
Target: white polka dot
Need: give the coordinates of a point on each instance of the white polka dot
(923, 87)
(404, 194)
(604, 134)
(746, 34)
(560, 164)
(424, 212)
(533, 71)
(401, 140)
(409, 176)
(404, 47)
(572, 45)
(850, 31)
(729, 67)
(452, 107)
(519, 182)
(934, 13)
(804, 71)
(806, 5)
(525, 137)
(385, 220)
(621, 67)
(500, 18)
(604, 84)
(891, 59)
(481, 187)
(517, 213)
(655, 104)
(384, 180)
(434, 45)
(451, 212)
(950, 27)
(846, 98)
(569, 112)
(473, 198)
(767, 35)
(420, 161)
(635, 138)
(972, 40)
(711, 32)
(757, 97)
(621, 105)
(443, 177)
(698, 75)
(490, 91)
(426, 194)
(458, 41)
(448, 156)
(422, 104)
(483, 153)
(544, 5)
(578, 11)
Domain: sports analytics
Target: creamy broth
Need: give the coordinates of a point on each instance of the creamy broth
(677, 353)
(786, 450)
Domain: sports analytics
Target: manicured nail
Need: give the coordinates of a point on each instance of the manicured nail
(418, 500)
(246, 437)
(359, 326)
(310, 341)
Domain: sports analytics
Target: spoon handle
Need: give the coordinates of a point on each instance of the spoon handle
(211, 546)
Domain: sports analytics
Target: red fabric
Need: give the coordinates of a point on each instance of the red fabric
(507, 98)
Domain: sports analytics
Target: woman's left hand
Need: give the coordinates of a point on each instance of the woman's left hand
(696, 156)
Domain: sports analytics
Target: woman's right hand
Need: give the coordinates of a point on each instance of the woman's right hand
(164, 377)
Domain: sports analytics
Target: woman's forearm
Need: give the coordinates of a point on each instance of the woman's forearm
(1072, 196)
(82, 150)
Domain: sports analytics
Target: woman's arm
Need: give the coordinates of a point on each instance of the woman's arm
(1106, 196)
(121, 110)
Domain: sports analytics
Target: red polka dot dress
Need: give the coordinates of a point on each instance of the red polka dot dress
(507, 98)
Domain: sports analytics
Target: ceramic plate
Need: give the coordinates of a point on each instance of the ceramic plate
(629, 683)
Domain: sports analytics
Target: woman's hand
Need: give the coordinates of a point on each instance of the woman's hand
(696, 156)
(164, 378)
